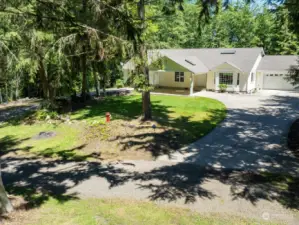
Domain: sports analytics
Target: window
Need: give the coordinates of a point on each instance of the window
(179, 77)
(252, 77)
(226, 78)
(238, 80)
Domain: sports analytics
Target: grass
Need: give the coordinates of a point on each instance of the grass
(107, 211)
(193, 117)
(179, 120)
(18, 139)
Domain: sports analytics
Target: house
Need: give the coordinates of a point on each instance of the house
(241, 69)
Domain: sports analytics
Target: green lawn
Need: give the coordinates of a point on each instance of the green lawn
(180, 121)
(192, 117)
(97, 211)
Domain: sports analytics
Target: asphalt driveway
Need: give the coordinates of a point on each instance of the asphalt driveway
(253, 136)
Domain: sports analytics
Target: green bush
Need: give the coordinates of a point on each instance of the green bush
(119, 83)
(222, 87)
(44, 114)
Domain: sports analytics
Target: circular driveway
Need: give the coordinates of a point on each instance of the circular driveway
(253, 136)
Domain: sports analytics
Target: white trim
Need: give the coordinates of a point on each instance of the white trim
(191, 84)
(252, 85)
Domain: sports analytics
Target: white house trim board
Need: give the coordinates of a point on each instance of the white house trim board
(251, 85)
(191, 84)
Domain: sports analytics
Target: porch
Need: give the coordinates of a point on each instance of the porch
(183, 83)
(176, 91)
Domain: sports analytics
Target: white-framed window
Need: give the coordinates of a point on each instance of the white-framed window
(226, 78)
(179, 77)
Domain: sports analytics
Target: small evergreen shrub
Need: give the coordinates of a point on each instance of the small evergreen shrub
(119, 83)
(45, 114)
(222, 87)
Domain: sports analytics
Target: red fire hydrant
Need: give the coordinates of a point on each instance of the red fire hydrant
(108, 117)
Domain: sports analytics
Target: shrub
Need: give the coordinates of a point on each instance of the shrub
(222, 87)
(119, 83)
(44, 114)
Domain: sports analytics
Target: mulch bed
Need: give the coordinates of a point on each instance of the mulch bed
(293, 138)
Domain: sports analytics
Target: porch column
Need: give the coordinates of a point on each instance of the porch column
(191, 83)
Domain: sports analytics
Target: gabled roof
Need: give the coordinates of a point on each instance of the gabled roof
(278, 62)
(191, 63)
(229, 63)
(206, 59)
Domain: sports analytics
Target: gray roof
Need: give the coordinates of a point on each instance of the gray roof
(278, 62)
(205, 59)
(191, 63)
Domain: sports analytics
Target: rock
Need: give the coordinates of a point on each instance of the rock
(44, 135)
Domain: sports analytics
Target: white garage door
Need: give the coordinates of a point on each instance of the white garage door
(276, 82)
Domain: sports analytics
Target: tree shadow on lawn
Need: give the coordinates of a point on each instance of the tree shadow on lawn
(10, 145)
(177, 131)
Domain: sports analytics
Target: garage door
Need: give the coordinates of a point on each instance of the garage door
(276, 82)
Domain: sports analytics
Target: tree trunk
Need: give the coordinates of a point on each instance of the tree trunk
(6, 206)
(84, 75)
(6, 93)
(1, 100)
(17, 88)
(146, 105)
(104, 85)
(146, 101)
(74, 73)
(96, 80)
(44, 80)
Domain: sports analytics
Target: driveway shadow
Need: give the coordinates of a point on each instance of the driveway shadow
(251, 139)
(37, 181)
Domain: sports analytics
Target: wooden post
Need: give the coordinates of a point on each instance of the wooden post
(191, 83)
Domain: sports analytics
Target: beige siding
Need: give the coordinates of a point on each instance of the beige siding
(200, 80)
(210, 81)
(166, 79)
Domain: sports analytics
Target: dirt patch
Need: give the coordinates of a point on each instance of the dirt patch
(293, 138)
(45, 135)
(19, 215)
(133, 139)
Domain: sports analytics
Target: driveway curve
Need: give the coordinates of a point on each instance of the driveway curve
(252, 137)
